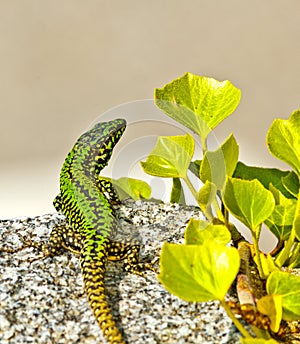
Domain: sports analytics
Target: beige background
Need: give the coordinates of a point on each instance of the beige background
(63, 63)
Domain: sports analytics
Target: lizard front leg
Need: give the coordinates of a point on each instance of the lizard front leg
(61, 237)
(107, 188)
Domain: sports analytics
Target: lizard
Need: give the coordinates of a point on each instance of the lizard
(88, 202)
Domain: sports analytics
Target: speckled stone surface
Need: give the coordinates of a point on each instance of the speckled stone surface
(44, 302)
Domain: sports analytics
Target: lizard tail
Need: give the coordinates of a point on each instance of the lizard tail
(93, 270)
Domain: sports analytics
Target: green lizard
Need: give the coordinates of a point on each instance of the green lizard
(88, 204)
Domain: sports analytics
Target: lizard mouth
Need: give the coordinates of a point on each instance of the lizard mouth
(118, 127)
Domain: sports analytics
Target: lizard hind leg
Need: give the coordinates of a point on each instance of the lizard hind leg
(128, 251)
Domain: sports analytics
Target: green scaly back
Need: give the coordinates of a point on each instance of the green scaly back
(89, 211)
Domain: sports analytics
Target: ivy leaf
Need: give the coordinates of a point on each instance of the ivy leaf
(296, 223)
(198, 232)
(199, 103)
(291, 183)
(206, 195)
(170, 157)
(264, 175)
(198, 273)
(283, 140)
(280, 222)
(195, 167)
(271, 305)
(220, 163)
(296, 263)
(130, 187)
(248, 201)
(177, 194)
(288, 286)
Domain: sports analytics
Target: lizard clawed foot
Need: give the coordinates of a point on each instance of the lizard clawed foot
(140, 268)
(27, 244)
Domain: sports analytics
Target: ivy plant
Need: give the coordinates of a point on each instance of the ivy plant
(215, 255)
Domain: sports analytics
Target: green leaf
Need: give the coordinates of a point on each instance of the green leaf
(177, 194)
(199, 232)
(133, 188)
(280, 222)
(295, 264)
(288, 286)
(267, 263)
(291, 183)
(283, 140)
(296, 223)
(206, 195)
(271, 305)
(195, 167)
(257, 341)
(170, 157)
(198, 273)
(278, 196)
(266, 176)
(248, 201)
(199, 103)
(220, 163)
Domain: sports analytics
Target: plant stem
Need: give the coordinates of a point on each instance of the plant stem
(218, 210)
(207, 212)
(257, 253)
(225, 214)
(204, 145)
(285, 253)
(191, 187)
(236, 322)
(277, 248)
